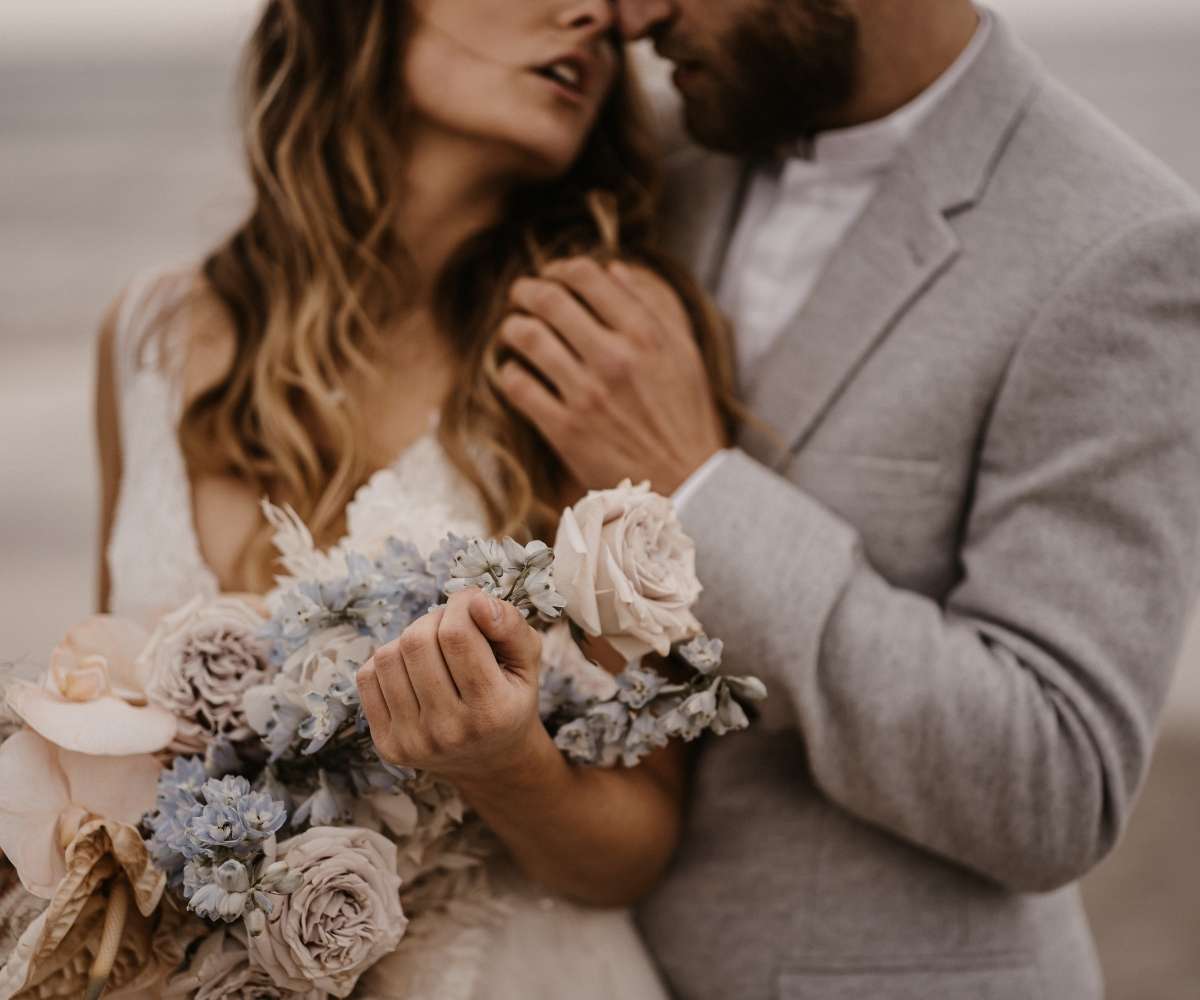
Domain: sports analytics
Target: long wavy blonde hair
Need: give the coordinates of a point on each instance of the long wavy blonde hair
(319, 269)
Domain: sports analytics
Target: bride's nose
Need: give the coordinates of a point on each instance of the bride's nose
(596, 15)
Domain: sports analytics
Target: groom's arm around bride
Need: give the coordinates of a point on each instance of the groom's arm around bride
(964, 559)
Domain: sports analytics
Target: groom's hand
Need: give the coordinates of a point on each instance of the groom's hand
(457, 693)
(609, 372)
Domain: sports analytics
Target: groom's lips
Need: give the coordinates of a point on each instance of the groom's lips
(687, 67)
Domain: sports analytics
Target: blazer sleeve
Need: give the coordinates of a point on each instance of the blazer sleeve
(1008, 727)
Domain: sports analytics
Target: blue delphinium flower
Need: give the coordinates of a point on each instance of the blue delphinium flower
(646, 734)
(638, 687)
(379, 597)
(283, 728)
(178, 803)
(441, 560)
(226, 791)
(261, 815)
(218, 826)
(702, 654)
(326, 716)
(331, 804)
(197, 873)
(182, 781)
(577, 739)
(522, 575)
(214, 836)
(221, 757)
(610, 722)
(694, 715)
(542, 595)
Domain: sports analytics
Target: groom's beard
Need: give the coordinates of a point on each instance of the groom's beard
(783, 71)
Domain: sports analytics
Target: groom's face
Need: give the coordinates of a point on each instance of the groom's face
(754, 74)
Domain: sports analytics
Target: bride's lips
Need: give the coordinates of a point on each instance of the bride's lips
(573, 75)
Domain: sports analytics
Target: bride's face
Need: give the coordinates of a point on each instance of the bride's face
(525, 78)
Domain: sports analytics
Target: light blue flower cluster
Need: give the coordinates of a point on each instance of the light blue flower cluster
(523, 575)
(215, 839)
(379, 597)
(647, 711)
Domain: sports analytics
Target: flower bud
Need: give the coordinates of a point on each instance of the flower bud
(232, 906)
(256, 922)
(232, 877)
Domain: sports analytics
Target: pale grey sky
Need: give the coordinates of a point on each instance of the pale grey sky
(74, 25)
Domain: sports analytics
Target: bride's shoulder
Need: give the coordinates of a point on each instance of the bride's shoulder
(171, 321)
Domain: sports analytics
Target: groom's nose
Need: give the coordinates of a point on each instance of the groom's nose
(639, 18)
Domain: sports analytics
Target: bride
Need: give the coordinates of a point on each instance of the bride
(410, 159)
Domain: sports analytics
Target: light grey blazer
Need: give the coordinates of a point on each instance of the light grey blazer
(963, 565)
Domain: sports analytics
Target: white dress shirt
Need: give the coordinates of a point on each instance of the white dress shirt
(796, 213)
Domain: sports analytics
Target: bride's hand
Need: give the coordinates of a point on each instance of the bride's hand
(457, 693)
(621, 390)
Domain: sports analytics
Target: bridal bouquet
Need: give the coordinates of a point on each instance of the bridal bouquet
(202, 809)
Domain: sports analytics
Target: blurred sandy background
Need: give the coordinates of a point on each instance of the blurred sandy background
(117, 154)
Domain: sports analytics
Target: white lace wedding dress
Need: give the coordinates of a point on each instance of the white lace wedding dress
(542, 947)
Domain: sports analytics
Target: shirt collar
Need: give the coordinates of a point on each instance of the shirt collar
(875, 144)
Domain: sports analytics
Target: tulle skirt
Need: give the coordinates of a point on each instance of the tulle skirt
(525, 945)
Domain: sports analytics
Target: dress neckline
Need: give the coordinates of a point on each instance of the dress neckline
(207, 572)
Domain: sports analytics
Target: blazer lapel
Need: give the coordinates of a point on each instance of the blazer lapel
(894, 251)
(898, 247)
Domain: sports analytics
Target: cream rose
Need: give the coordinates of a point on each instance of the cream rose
(628, 570)
(345, 916)
(200, 662)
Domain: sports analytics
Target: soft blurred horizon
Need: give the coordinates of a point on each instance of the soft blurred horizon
(66, 26)
(118, 154)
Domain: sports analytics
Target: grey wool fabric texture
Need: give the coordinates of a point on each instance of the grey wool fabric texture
(962, 561)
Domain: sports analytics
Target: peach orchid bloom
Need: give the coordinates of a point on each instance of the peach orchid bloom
(47, 794)
(93, 700)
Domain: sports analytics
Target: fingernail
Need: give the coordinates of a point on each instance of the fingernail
(497, 610)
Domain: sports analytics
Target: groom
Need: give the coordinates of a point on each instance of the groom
(964, 551)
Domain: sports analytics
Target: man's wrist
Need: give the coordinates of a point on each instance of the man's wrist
(692, 483)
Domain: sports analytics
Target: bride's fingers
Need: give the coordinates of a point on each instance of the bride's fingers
(466, 651)
(544, 350)
(426, 668)
(374, 704)
(399, 699)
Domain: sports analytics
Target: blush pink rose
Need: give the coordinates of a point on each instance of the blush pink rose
(345, 916)
(628, 570)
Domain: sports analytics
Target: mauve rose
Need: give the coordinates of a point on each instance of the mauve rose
(628, 570)
(200, 662)
(345, 916)
(221, 969)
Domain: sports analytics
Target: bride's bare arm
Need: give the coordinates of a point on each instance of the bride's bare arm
(457, 695)
(108, 444)
(601, 836)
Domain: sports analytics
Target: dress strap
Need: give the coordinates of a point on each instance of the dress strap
(153, 555)
(147, 299)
